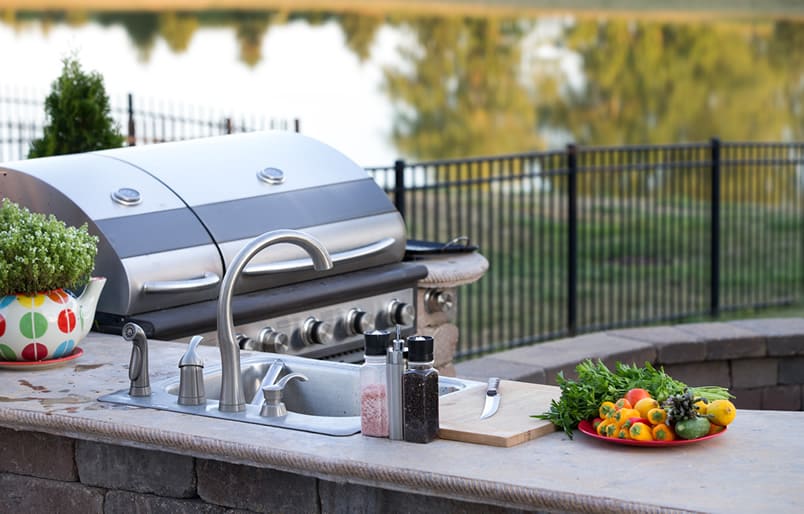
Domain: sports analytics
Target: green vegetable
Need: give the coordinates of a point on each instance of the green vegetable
(596, 383)
(692, 428)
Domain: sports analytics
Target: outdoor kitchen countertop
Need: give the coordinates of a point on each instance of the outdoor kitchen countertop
(756, 466)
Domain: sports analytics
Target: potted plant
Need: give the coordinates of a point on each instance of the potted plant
(40, 257)
(78, 115)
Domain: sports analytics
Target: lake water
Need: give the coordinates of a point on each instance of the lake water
(429, 87)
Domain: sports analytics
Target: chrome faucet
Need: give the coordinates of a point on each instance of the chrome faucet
(232, 398)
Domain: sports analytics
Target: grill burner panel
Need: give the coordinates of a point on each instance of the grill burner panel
(343, 343)
(286, 308)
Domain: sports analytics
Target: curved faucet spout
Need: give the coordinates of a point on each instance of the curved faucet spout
(232, 398)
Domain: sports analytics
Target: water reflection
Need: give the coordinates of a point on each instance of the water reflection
(654, 82)
(466, 85)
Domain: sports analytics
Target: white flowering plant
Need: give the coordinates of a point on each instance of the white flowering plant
(41, 253)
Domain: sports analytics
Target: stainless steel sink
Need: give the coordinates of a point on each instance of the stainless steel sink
(327, 403)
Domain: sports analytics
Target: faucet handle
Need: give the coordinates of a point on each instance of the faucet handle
(191, 376)
(273, 406)
(190, 357)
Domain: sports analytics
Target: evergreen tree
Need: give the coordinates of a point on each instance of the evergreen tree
(78, 115)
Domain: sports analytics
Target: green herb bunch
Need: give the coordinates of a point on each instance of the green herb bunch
(41, 253)
(580, 399)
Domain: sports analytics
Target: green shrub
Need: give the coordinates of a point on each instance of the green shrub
(78, 115)
(41, 253)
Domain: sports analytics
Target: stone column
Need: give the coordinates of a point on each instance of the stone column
(437, 301)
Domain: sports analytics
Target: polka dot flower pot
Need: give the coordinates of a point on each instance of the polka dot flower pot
(46, 325)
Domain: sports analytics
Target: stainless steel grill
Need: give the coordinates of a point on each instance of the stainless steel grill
(171, 217)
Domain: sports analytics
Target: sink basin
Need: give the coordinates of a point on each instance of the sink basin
(327, 403)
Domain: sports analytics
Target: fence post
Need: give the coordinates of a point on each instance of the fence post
(714, 240)
(399, 186)
(572, 239)
(132, 136)
(296, 125)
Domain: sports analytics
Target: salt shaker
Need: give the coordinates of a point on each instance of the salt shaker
(374, 385)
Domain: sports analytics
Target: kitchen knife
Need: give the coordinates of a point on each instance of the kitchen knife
(492, 398)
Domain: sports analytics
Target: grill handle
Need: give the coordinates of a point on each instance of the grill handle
(207, 280)
(307, 263)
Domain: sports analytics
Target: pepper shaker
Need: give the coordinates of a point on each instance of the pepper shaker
(420, 392)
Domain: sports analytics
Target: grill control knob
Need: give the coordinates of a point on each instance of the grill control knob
(246, 343)
(439, 301)
(315, 331)
(359, 322)
(400, 313)
(273, 340)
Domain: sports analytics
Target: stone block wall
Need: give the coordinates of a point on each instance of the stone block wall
(47, 473)
(761, 361)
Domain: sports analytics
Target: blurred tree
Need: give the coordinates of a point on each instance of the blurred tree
(77, 17)
(177, 29)
(649, 82)
(360, 30)
(142, 28)
(78, 115)
(250, 28)
(657, 82)
(458, 92)
(785, 52)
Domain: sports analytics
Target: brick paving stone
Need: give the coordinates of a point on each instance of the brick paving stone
(22, 494)
(37, 454)
(725, 341)
(748, 373)
(791, 370)
(337, 498)
(256, 489)
(565, 354)
(135, 469)
(138, 503)
(672, 344)
(786, 397)
(784, 336)
(701, 373)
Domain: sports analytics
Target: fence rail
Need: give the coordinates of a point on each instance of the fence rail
(591, 238)
(141, 121)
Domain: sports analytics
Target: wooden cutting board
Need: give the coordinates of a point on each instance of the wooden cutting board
(459, 414)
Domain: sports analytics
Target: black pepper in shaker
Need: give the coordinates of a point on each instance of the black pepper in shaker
(420, 392)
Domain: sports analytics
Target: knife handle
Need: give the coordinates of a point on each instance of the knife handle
(491, 389)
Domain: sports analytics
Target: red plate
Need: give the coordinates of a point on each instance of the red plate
(44, 364)
(587, 428)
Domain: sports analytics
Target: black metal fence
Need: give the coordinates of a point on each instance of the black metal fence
(144, 121)
(590, 238)
(578, 240)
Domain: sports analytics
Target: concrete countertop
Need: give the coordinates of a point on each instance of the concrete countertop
(754, 467)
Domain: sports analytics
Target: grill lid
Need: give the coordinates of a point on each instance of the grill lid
(170, 217)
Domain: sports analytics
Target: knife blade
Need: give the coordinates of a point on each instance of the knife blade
(492, 398)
